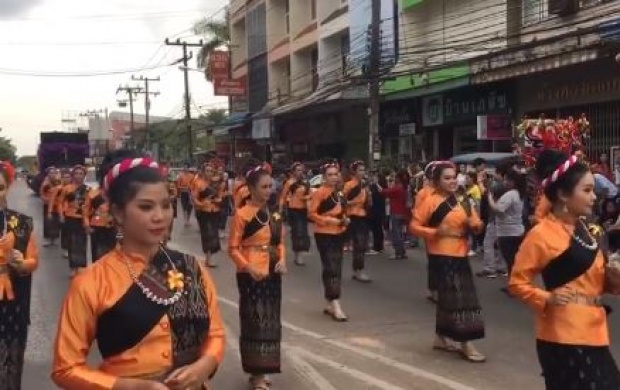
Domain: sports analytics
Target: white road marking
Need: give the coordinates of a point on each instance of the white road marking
(415, 371)
(306, 371)
(359, 375)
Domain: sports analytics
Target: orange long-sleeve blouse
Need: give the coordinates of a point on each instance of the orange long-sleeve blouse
(73, 208)
(356, 203)
(56, 200)
(96, 211)
(240, 193)
(253, 249)
(284, 198)
(95, 291)
(321, 219)
(208, 204)
(457, 221)
(30, 264)
(543, 208)
(573, 323)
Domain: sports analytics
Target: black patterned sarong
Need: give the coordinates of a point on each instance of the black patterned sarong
(459, 315)
(209, 231)
(259, 317)
(77, 241)
(298, 222)
(358, 233)
(51, 226)
(577, 367)
(65, 235)
(331, 250)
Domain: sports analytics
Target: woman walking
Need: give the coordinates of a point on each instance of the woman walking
(572, 338)
(98, 224)
(358, 202)
(152, 311)
(73, 207)
(51, 222)
(397, 194)
(65, 236)
(327, 211)
(295, 196)
(509, 216)
(256, 246)
(18, 259)
(208, 191)
(445, 224)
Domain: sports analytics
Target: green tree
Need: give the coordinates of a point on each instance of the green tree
(216, 35)
(8, 151)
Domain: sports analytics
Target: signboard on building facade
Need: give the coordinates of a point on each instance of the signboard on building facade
(432, 111)
(227, 87)
(468, 103)
(395, 114)
(219, 64)
(494, 127)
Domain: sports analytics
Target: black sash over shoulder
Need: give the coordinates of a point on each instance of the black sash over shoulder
(355, 192)
(570, 264)
(255, 224)
(97, 201)
(441, 212)
(330, 202)
(21, 226)
(133, 316)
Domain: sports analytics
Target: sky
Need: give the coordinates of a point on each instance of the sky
(42, 39)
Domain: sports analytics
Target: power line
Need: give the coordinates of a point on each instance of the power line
(147, 103)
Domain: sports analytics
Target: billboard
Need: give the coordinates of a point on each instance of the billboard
(360, 17)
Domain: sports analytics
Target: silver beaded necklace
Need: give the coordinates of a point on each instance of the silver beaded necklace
(147, 291)
(592, 246)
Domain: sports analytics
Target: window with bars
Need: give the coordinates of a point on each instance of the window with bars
(535, 11)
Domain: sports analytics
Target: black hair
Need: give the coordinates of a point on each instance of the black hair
(126, 186)
(519, 180)
(438, 169)
(547, 162)
(503, 168)
(254, 170)
(403, 177)
(479, 161)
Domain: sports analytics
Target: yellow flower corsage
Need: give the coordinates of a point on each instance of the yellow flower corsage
(276, 216)
(176, 280)
(595, 230)
(13, 222)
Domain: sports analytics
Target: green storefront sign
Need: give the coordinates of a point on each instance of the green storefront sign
(411, 3)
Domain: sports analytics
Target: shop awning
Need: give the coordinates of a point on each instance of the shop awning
(235, 120)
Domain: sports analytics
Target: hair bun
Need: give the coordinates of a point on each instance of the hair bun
(548, 161)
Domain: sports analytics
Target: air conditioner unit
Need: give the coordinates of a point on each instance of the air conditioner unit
(563, 7)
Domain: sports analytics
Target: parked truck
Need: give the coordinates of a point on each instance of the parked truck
(60, 150)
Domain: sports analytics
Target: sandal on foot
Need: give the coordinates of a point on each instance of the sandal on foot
(446, 348)
(334, 317)
(473, 356)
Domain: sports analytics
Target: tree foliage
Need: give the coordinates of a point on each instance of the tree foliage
(216, 35)
(8, 151)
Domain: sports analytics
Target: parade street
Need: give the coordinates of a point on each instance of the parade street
(385, 345)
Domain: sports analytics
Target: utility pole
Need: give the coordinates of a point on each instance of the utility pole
(188, 113)
(147, 105)
(374, 145)
(131, 92)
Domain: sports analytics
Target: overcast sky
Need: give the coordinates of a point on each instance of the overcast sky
(43, 37)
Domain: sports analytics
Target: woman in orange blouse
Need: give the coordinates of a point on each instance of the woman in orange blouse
(54, 211)
(183, 183)
(427, 190)
(240, 192)
(174, 196)
(18, 259)
(327, 211)
(208, 191)
(295, 196)
(66, 180)
(74, 198)
(571, 324)
(256, 246)
(98, 223)
(152, 311)
(51, 223)
(358, 201)
(445, 224)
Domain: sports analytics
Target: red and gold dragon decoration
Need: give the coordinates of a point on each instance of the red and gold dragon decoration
(566, 135)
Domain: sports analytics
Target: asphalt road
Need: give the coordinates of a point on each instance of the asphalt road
(386, 344)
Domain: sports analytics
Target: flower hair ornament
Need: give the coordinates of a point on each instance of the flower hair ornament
(254, 170)
(295, 165)
(78, 168)
(559, 171)
(356, 164)
(331, 164)
(124, 166)
(8, 168)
